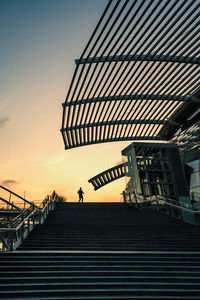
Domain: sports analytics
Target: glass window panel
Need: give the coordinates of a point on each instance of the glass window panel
(195, 179)
(195, 193)
(145, 189)
(195, 165)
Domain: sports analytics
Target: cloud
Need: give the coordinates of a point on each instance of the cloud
(3, 122)
(9, 182)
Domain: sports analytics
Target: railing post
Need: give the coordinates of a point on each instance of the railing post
(179, 214)
(3, 247)
(136, 202)
(40, 218)
(157, 203)
(129, 195)
(24, 223)
(28, 225)
(10, 240)
(168, 210)
(124, 196)
(173, 213)
(22, 232)
(142, 204)
(197, 218)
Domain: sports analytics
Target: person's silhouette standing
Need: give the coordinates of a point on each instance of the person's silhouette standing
(80, 194)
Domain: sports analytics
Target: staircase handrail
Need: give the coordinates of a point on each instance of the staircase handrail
(4, 241)
(25, 226)
(195, 192)
(178, 206)
(170, 200)
(11, 192)
(164, 199)
(26, 218)
(21, 216)
(11, 204)
(195, 195)
(20, 224)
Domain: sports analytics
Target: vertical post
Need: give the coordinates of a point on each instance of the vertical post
(124, 196)
(8, 207)
(135, 200)
(173, 213)
(157, 203)
(129, 195)
(28, 225)
(41, 218)
(22, 238)
(24, 201)
(11, 240)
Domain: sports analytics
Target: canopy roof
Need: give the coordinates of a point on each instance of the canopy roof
(137, 75)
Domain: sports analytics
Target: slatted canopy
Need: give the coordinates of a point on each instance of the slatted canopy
(138, 69)
(108, 176)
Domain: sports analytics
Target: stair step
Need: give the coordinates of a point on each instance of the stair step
(129, 263)
(101, 286)
(143, 297)
(97, 278)
(104, 252)
(161, 272)
(110, 259)
(103, 292)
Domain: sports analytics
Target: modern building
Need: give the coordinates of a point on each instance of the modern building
(138, 79)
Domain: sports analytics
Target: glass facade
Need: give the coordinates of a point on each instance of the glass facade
(188, 139)
(189, 147)
(156, 169)
(132, 176)
(151, 170)
(194, 179)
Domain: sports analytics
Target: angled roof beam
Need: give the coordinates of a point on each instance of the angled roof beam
(134, 97)
(139, 57)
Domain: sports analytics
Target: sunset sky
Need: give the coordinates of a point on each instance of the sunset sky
(39, 42)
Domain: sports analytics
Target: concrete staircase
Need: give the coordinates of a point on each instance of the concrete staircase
(104, 251)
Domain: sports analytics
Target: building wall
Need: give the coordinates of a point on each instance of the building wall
(189, 147)
(154, 169)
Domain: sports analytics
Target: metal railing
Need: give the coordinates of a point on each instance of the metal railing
(195, 196)
(165, 205)
(20, 227)
(12, 204)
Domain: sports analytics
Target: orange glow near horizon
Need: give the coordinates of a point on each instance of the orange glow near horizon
(37, 58)
(39, 42)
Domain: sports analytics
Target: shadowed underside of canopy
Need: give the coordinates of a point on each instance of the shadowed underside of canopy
(138, 76)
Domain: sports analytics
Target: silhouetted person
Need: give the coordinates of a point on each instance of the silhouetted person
(80, 194)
